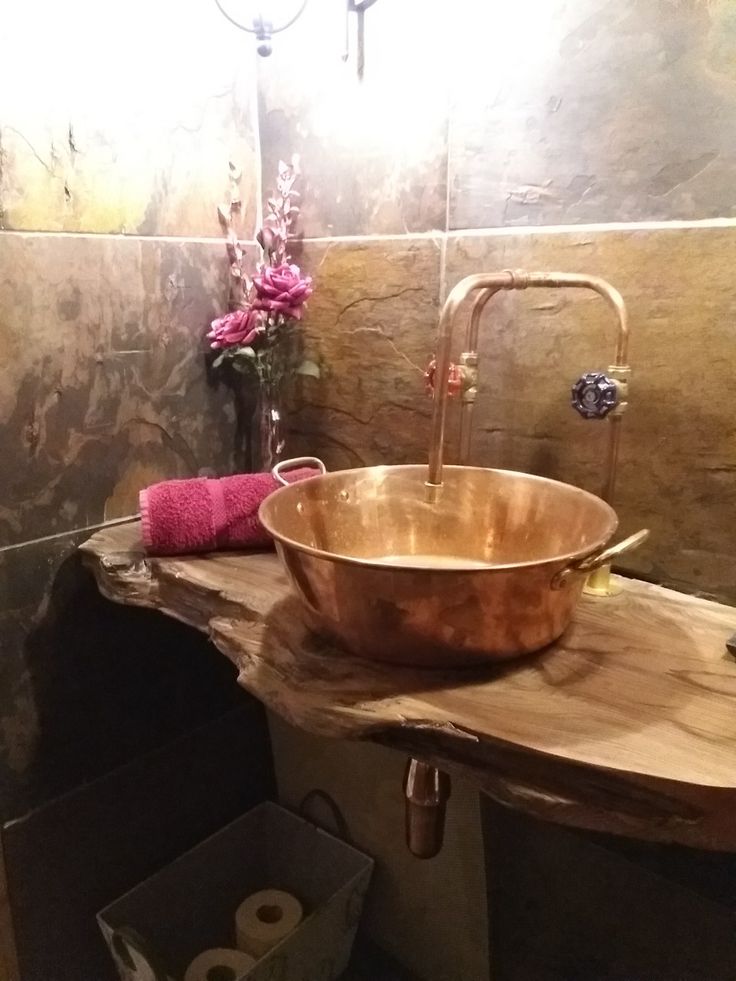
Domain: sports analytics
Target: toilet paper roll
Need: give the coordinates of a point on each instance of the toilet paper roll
(136, 960)
(219, 964)
(265, 918)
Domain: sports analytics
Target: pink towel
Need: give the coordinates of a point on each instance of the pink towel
(179, 517)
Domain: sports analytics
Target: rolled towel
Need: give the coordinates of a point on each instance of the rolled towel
(179, 517)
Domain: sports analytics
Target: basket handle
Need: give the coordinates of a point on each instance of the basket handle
(341, 825)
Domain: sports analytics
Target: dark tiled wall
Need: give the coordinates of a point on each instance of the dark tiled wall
(486, 115)
(104, 387)
(370, 327)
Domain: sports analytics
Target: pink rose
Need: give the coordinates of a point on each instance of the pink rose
(238, 327)
(282, 289)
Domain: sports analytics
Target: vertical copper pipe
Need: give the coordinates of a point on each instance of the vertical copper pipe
(479, 305)
(470, 357)
(466, 431)
(614, 442)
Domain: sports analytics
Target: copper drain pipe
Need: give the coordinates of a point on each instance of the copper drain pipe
(426, 788)
(427, 791)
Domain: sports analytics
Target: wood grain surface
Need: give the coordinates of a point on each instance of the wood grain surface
(627, 724)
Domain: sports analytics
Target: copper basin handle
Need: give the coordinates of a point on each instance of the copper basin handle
(297, 461)
(592, 562)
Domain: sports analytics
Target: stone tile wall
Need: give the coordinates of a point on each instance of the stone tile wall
(593, 111)
(123, 121)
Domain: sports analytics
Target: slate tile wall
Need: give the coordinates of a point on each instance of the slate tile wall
(105, 386)
(373, 152)
(566, 113)
(124, 121)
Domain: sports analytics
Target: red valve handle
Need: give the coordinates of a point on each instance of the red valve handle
(454, 379)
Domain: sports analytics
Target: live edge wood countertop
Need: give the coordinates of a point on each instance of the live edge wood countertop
(627, 724)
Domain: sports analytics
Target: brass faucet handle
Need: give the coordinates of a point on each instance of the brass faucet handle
(594, 395)
(455, 380)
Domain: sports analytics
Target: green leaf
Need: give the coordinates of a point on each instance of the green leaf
(309, 368)
(218, 360)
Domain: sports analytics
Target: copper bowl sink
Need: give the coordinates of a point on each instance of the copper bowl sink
(490, 565)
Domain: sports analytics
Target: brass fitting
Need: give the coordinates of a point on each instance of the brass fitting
(620, 374)
(469, 375)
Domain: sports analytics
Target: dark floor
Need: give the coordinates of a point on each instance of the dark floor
(371, 964)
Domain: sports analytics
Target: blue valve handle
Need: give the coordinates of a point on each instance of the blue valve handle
(594, 395)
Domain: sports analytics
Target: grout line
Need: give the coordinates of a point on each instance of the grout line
(213, 240)
(430, 235)
(501, 231)
(4, 549)
(610, 226)
(120, 237)
(443, 238)
(442, 286)
(256, 125)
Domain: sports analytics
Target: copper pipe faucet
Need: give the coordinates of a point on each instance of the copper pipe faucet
(595, 395)
(490, 284)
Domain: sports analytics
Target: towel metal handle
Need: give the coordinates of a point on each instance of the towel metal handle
(297, 461)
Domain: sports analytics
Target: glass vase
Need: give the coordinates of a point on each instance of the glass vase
(267, 434)
(258, 396)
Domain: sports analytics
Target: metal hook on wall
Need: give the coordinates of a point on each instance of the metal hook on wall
(357, 7)
(262, 27)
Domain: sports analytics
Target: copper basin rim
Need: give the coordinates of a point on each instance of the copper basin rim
(488, 566)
